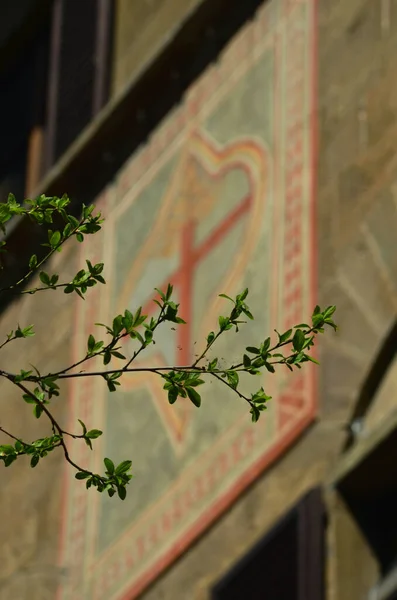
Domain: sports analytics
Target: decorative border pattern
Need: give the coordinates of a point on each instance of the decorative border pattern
(241, 450)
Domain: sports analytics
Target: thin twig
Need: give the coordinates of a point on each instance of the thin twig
(231, 387)
(41, 289)
(54, 424)
(7, 341)
(160, 320)
(276, 347)
(13, 436)
(207, 348)
(25, 444)
(39, 264)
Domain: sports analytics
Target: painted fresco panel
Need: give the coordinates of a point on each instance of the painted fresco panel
(219, 199)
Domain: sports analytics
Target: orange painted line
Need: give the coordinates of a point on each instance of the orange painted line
(183, 276)
(218, 507)
(230, 221)
(186, 277)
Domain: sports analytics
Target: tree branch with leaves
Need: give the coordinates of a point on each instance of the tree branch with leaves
(291, 349)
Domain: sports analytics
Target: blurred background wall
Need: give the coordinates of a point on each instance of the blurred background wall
(92, 95)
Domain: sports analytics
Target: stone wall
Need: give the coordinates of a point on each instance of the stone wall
(356, 187)
(31, 499)
(357, 271)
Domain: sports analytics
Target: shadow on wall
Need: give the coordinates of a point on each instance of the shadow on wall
(372, 383)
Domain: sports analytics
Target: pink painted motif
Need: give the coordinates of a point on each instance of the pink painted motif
(242, 145)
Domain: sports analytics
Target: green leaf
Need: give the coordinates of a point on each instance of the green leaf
(284, 337)
(331, 323)
(117, 325)
(123, 467)
(122, 492)
(67, 230)
(329, 311)
(253, 350)
(172, 395)
(246, 361)
(318, 321)
(34, 460)
(171, 313)
(19, 447)
(138, 317)
(298, 340)
(248, 313)
(7, 449)
(79, 237)
(194, 382)
(212, 365)
(55, 238)
(224, 323)
(210, 337)
(255, 413)
(109, 465)
(309, 341)
(128, 320)
(227, 297)
(194, 396)
(18, 332)
(98, 268)
(111, 385)
(137, 335)
(29, 399)
(33, 262)
(37, 411)
(148, 336)
(243, 295)
(260, 396)
(160, 293)
(28, 331)
(87, 210)
(233, 378)
(82, 475)
(44, 278)
(93, 434)
(105, 326)
(313, 360)
(91, 343)
(8, 460)
(39, 394)
(83, 426)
